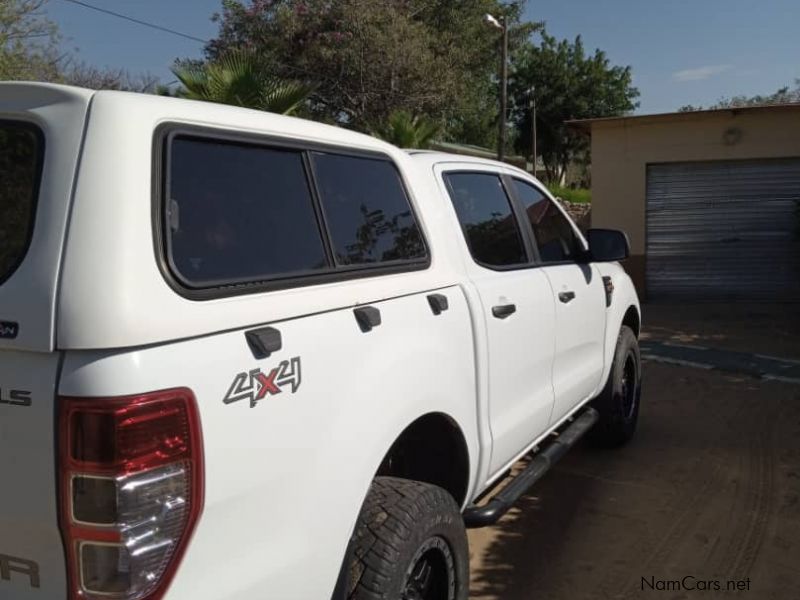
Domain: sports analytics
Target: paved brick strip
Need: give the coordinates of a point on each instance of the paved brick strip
(760, 366)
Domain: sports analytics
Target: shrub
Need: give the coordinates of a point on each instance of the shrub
(577, 195)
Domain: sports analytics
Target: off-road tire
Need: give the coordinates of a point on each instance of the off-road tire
(618, 403)
(404, 524)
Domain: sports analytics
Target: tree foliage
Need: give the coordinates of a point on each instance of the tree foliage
(785, 95)
(238, 78)
(29, 51)
(569, 84)
(28, 42)
(82, 74)
(407, 131)
(374, 66)
(369, 59)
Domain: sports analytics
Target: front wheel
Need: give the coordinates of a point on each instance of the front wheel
(409, 544)
(618, 403)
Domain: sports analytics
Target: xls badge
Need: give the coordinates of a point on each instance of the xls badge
(9, 330)
(11, 566)
(256, 385)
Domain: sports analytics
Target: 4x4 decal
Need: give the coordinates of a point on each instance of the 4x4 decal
(255, 385)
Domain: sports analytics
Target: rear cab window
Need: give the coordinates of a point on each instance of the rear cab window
(21, 155)
(367, 211)
(486, 216)
(239, 216)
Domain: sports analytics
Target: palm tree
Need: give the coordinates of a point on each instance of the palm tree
(239, 80)
(408, 131)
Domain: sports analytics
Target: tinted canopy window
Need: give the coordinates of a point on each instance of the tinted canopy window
(367, 211)
(485, 214)
(555, 237)
(20, 165)
(239, 213)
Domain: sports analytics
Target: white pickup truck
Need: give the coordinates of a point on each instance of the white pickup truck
(249, 356)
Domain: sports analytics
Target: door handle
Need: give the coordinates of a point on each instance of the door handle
(566, 297)
(438, 303)
(367, 317)
(264, 341)
(501, 311)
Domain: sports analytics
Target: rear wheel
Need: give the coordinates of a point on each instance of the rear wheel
(618, 403)
(409, 544)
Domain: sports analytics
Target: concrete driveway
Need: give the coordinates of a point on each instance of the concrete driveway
(766, 329)
(706, 496)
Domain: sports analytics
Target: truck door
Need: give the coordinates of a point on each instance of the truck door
(517, 312)
(578, 295)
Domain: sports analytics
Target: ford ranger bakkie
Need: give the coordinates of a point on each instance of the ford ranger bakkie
(249, 356)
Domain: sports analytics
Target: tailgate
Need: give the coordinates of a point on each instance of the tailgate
(31, 552)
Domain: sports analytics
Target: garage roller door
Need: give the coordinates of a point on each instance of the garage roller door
(724, 230)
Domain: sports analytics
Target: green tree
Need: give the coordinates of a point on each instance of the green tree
(369, 59)
(568, 84)
(238, 78)
(785, 95)
(28, 42)
(407, 131)
(85, 75)
(29, 51)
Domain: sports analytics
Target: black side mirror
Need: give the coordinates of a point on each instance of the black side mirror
(607, 245)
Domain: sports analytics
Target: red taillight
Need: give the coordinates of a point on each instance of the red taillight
(131, 491)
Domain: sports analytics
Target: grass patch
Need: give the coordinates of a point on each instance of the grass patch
(579, 195)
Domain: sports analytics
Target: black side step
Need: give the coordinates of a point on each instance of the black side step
(489, 513)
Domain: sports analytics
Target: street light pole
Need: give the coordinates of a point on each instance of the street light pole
(501, 142)
(533, 129)
(501, 133)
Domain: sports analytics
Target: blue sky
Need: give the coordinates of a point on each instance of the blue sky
(681, 51)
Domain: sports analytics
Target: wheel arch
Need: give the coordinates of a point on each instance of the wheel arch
(432, 449)
(633, 320)
(624, 310)
(434, 432)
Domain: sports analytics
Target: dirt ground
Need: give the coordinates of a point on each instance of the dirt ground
(709, 490)
(770, 329)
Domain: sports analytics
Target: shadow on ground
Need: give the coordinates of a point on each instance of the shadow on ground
(709, 489)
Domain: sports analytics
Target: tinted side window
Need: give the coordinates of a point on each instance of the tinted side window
(368, 214)
(485, 214)
(20, 166)
(554, 235)
(239, 213)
